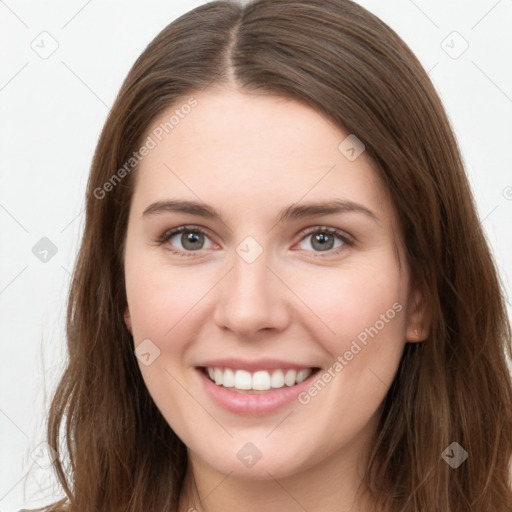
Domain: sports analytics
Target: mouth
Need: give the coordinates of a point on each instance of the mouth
(257, 382)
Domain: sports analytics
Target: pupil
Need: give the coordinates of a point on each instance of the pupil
(323, 240)
(192, 240)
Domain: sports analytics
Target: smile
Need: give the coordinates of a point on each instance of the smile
(251, 401)
(243, 381)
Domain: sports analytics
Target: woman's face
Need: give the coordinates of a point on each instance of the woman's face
(288, 260)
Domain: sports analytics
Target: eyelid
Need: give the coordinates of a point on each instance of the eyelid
(334, 231)
(168, 233)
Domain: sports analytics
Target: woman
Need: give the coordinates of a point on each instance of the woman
(283, 297)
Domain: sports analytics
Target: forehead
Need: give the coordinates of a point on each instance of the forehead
(234, 148)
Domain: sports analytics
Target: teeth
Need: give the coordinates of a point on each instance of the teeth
(277, 379)
(261, 380)
(289, 378)
(242, 380)
(228, 378)
(303, 375)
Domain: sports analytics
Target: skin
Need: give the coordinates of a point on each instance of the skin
(249, 156)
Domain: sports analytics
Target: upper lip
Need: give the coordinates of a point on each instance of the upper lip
(254, 365)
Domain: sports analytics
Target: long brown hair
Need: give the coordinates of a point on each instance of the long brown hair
(455, 386)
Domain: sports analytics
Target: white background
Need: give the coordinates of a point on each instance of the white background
(51, 114)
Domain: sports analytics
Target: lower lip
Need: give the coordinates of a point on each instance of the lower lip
(250, 404)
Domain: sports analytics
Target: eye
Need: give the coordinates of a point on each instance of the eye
(323, 239)
(191, 238)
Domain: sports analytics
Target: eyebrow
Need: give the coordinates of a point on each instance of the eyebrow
(292, 212)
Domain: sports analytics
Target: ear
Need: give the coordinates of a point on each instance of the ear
(128, 319)
(418, 318)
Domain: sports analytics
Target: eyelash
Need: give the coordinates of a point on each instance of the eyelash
(347, 241)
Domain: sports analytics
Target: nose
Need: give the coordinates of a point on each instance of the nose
(252, 298)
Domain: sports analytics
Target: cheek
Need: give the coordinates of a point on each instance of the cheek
(362, 304)
(365, 313)
(164, 304)
(161, 299)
